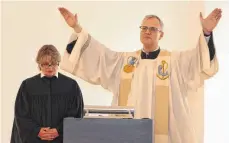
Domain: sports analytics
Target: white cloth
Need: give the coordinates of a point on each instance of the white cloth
(42, 74)
(93, 62)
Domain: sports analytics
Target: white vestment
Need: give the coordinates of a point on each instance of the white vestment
(187, 70)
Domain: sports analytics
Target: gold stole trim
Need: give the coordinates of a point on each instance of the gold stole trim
(161, 115)
(126, 76)
(124, 88)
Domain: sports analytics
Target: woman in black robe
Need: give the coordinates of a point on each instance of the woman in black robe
(44, 100)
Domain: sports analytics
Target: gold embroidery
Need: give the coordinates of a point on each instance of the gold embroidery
(130, 66)
(162, 70)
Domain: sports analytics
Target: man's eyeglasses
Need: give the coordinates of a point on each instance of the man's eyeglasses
(151, 29)
(46, 65)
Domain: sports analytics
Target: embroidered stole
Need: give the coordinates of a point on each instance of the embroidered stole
(161, 113)
(127, 71)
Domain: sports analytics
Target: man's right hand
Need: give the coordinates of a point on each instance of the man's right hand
(70, 19)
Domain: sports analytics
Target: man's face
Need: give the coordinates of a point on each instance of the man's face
(150, 31)
(48, 67)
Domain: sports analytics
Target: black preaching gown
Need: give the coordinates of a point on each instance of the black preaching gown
(45, 102)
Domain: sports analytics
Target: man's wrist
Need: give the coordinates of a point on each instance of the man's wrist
(77, 28)
(207, 33)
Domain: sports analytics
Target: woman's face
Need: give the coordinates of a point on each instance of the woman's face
(48, 66)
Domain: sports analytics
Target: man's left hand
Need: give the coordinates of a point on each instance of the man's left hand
(210, 22)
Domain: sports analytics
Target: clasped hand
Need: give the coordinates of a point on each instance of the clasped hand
(48, 134)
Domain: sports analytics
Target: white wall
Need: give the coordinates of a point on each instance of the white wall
(26, 26)
(1, 75)
(216, 89)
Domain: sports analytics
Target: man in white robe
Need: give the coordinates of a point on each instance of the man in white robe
(156, 82)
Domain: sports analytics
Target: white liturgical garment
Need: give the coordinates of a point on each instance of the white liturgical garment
(168, 89)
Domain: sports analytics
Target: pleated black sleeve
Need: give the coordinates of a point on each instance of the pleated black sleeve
(76, 106)
(26, 126)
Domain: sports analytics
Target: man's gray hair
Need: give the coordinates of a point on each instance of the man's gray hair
(154, 16)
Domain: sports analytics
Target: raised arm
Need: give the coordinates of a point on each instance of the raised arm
(88, 59)
(201, 62)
